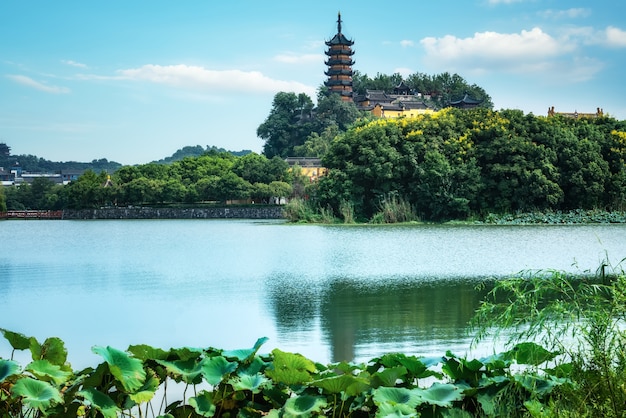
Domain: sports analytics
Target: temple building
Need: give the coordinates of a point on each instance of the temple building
(599, 113)
(403, 102)
(466, 102)
(339, 64)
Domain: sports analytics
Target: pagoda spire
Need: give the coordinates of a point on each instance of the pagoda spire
(340, 64)
(339, 22)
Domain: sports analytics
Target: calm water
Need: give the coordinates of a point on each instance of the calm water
(330, 293)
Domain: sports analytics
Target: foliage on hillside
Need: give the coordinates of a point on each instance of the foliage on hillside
(197, 151)
(212, 177)
(34, 164)
(456, 164)
(438, 89)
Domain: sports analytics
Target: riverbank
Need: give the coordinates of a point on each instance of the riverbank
(233, 212)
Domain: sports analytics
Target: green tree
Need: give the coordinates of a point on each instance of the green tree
(288, 124)
(317, 145)
(256, 168)
(87, 192)
(280, 189)
(232, 187)
(517, 173)
(3, 202)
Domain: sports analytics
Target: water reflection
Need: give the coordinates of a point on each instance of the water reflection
(357, 318)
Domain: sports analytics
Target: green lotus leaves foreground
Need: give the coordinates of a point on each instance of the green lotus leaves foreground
(203, 404)
(128, 370)
(214, 369)
(187, 371)
(53, 350)
(303, 406)
(397, 396)
(247, 353)
(290, 368)
(35, 393)
(281, 384)
(18, 341)
(46, 371)
(101, 402)
(441, 394)
(8, 368)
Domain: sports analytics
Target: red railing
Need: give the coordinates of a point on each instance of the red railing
(32, 214)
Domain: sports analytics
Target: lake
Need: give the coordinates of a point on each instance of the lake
(328, 292)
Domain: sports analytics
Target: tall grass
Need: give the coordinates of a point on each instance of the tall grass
(581, 317)
(394, 209)
(300, 210)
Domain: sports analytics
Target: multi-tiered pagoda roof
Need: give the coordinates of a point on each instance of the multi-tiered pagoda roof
(339, 64)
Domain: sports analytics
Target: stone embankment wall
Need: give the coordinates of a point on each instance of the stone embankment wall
(261, 212)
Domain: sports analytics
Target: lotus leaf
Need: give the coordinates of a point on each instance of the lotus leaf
(8, 368)
(247, 353)
(203, 404)
(387, 410)
(146, 392)
(145, 352)
(35, 393)
(496, 363)
(539, 385)
(18, 341)
(53, 350)
(396, 396)
(441, 394)
(255, 366)
(186, 370)
(44, 370)
(349, 384)
(463, 370)
(530, 353)
(251, 382)
(290, 368)
(388, 377)
(416, 367)
(101, 402)
(127, 370)
(187, 353)
(303, 406)
(214, 369)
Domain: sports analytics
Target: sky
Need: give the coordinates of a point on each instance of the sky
(134, 81)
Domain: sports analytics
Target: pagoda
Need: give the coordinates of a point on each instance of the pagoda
(340, 64)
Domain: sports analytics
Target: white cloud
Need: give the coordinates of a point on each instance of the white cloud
(572, 13)
(195, 77)
(29, 82)
(501, 50)
(615, 37)
(406, 43)
(533, 43)
(74, 63)
(299, 59)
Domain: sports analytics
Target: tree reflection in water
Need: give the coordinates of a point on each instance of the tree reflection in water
(365, 318)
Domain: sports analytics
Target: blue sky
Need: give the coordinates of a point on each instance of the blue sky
(133, 81)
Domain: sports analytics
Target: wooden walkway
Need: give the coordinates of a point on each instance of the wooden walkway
(32, 214)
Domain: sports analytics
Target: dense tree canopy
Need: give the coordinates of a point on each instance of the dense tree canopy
(213, 176)
(454, 163)
(293, 122)
(440, 89)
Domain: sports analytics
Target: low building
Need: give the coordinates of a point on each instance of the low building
(7, 178)
(403, 102)
(466, 102)
(575, 114)
(309, 166)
